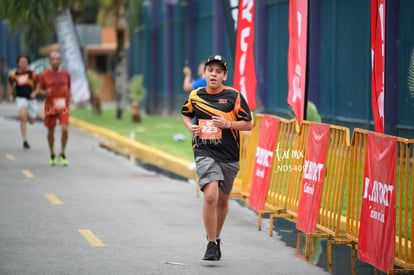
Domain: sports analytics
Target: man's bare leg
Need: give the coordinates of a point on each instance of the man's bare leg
(51, 139)
(64, 139)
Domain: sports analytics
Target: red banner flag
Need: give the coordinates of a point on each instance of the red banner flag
(376, 243)
(298, 32)
(244, 66)
(269, 129)
(313, 176)
(378, 62)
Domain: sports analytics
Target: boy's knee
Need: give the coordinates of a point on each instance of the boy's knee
(210, 198)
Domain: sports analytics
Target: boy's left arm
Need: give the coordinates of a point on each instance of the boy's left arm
(241, 125)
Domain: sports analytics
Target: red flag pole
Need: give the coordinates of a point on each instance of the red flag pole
(305, 104)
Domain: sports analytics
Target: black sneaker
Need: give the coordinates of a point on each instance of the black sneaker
(26, 145)
(218, 249)
(211, 252)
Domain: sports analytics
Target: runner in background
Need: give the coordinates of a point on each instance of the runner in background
(189, 84)
(23, 82)
(54, 84)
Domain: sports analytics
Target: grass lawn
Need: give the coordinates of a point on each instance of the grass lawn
(156, 131)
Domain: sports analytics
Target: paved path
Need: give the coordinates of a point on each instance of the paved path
(114, 217)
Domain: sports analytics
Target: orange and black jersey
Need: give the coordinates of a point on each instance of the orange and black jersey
(25, 82)
(228, 103)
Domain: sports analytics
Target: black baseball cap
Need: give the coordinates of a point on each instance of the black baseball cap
(219, 59)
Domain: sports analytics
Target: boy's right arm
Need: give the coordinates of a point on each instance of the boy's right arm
(10, 86)
(192, 128)
(10, 90)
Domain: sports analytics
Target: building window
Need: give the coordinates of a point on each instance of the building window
(101, 63)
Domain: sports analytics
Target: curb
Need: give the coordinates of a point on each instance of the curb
(138, 150)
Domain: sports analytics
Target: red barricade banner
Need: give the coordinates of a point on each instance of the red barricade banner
(298, 32)
(376, 243)
(262, 170)
(244, 66)
(313, 176)
(378, 62)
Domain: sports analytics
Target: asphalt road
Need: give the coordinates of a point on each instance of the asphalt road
(104, 215)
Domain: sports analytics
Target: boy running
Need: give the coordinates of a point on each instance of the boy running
(220, 112)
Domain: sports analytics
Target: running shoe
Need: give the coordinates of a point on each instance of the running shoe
(26, 145)
(218, 241)
(52, 160)
(63, 160)
(218, 249)
(211, 252)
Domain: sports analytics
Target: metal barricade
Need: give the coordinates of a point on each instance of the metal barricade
(241, 186)
(404, 250)
(284, 189)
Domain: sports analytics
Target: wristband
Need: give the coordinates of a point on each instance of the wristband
(225, 125)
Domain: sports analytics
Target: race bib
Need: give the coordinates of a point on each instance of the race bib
(22, 79)
(208, 130)
(59, 102)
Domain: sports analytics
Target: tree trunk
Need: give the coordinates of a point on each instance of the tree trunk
(136, 113)
(96, 104)
(120, 82)
(121, 62)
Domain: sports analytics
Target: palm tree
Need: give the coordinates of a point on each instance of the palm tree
(37, 18)
(34, 18)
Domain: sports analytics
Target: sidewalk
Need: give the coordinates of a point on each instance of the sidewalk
(148, 223)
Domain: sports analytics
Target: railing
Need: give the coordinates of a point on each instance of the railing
(340, 207)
